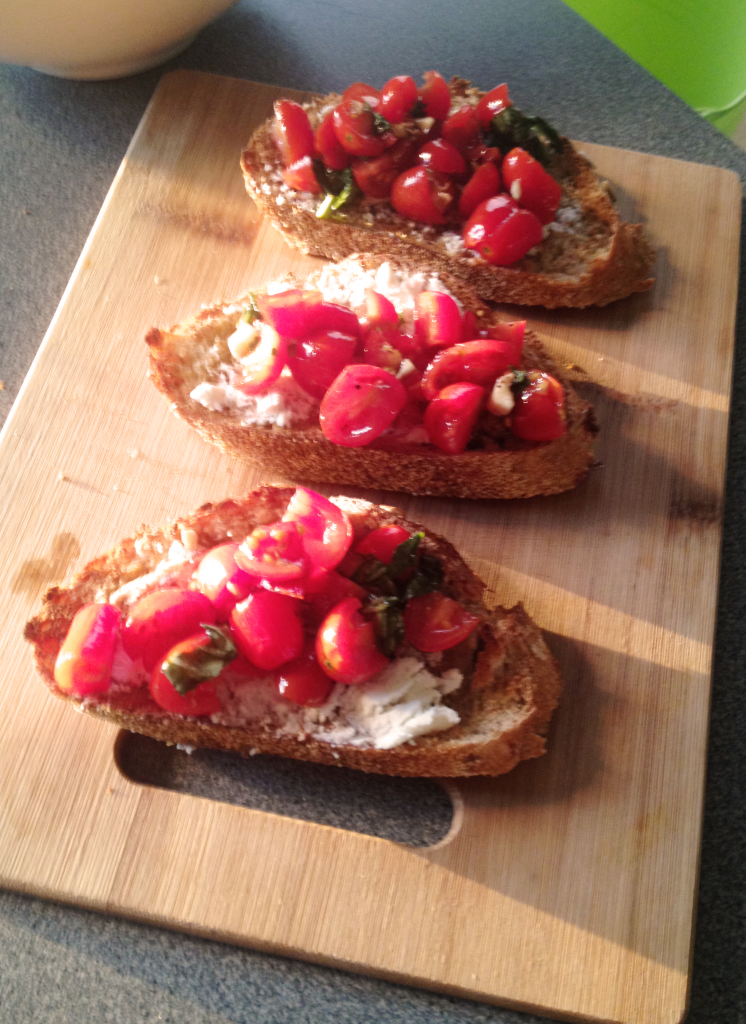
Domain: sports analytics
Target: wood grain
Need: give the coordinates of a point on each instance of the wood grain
(568, 886)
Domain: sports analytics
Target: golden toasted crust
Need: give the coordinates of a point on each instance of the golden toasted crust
(505, 703)
(179, 359)
(604, 259)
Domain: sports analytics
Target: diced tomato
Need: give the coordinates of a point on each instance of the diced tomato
(287, 311)
(450, 417)
(85, 659)
(274, 553)
(379, 348)
(539, 413)
(398, 96)
(530, 185)
(501, 232)
(361, 403)
(513, 333)
(376, 175)
(267, 628)
(354, 127)
(303, 681)
(222, 580)
(325, 588)
(436, 96)
(441, 156)
(484, 154)
(328, 146)
(328, 316)
(437, 320)
(161, 619)
(423, 195)
(198, 702)
(264, 364)
(325, 529)
(292, 131)
(492, 103)
(317, 360)
(476, 362)
(378, 310)
(363, 93)
(346, 644)
(434, 622)
(301, 177)
(470, 329)
(483, 184)
(462, 129)
(383, 542)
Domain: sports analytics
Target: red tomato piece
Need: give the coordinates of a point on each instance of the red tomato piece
(354, 128)
(303, 681)
(287, 311)
(325, 588)
(530, 185)
(328, 146)
(434, 622)
(363, 93)
(436, 96)
(492, 103)
(329, 316)
(274, 553)
(476, 362)
(539, 413)
(513, 333)
(301, 177)
(85, 660)
(161, 619)
(324, 527)
(383, 542)
(264, 364)
(450, 417)
(202, 700)
(437, 320)
(267, 628)
(484, 183)
(361, 403)
(501, 232)
(424, 195)
(462, 129)
(398, 96)
(470, 328)
(376, 175)
(441, 156)
(379, 348)
(317, 360)
(377, 311)
(222, 580)
(292, 131)
(346, 644)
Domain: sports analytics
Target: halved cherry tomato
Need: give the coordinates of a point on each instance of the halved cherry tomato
(424, 195)
(435, 622)
(437, 320)
(476, 362)
(85, 660)
(202, 700)
(530, 185)
(267, 628)
(222, 580)
(161, 619)
(378, 310)
(264, 364)
(303, 681)
(324, 527)
(501, 232)
(379, 348)
(328, 146)
(361, 403)
(440, 155)
(398, 96)
(354, 128)
(450, 417)
(274, 553)
(539, 413)
(301, 177)
(462, 128)
(328, 316)
(346, 644)
(362, 92)
(325, 588)
(484, 183)
(383, 542)
(513, 333)
(318, 359)
(376, 175)
(492, 103)
(292, 131)
(287, 311)
(436, 96)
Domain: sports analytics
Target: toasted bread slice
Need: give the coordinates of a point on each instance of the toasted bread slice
(196, 351)
(588, 257)
(511, 683)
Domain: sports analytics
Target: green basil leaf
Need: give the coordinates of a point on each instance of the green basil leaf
(427, 577)
(380, 124)
(251, 313)
(388, 622)
(405, 556)
(187, 670)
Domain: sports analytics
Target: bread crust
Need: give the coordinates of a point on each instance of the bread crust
(607, 260)
(516, 469)
(505, 703)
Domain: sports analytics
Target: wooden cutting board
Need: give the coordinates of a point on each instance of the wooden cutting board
(567, 887)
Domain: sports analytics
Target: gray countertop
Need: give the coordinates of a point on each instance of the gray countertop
(60, 145)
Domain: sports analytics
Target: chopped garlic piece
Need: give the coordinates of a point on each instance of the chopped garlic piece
(502, 400)
(244, 340)
(515, 190)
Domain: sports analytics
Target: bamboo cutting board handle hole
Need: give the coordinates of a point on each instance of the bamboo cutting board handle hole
(416, 812)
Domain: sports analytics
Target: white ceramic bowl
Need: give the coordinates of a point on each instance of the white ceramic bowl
(100, 38)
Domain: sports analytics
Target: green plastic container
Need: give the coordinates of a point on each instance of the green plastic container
(695, 47)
